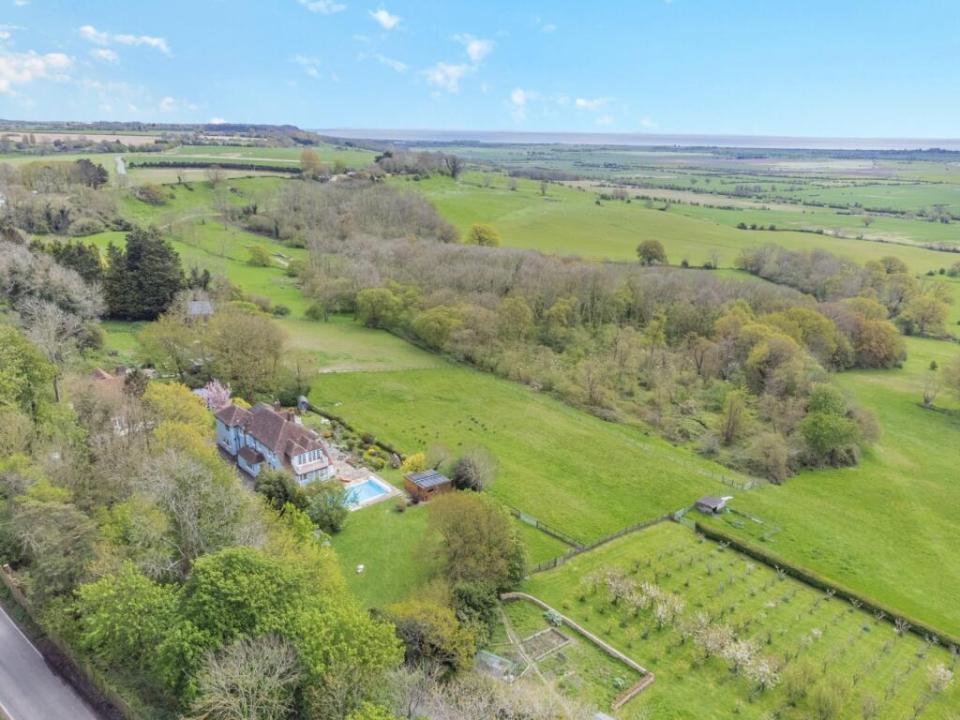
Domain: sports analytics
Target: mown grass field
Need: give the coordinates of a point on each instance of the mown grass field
(584, 476)
(568, 221)
(789, 622)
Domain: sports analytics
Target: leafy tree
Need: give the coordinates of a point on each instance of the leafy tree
(480, 541)
(769, 455)
(434, 326)
(259, 256)
(246, 351)
(175, 403)
(170, 343)
(432, 635)
(84, 259)
(652, 252)
(344, 654)
(328, 508)
(417, 462)
(734, 417)
(124, 616)
(369, 711)
(142, 280)
(951, 375)
(311, 166)
(476, 605)
(925, 315)
(831, 439)
(57, 539)
(239, 591)
(279, 488)
(485, 235)
(24, 372)
(91, 174)
(377, 307)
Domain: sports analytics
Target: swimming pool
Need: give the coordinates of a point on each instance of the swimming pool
(366, 492)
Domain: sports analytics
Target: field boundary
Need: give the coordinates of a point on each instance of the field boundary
(87, 680)
(816, 581)
(580, 549)
(646, 677)
(534, 522)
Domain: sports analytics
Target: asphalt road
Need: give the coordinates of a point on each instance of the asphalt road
(29, 689)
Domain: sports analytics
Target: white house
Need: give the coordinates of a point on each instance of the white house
(263, 436)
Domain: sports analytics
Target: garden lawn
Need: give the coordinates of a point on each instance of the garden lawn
(398, 551)
(575, 472)
(888, 527)
(789, 622)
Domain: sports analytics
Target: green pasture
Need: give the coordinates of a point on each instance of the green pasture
(577, 473)
(886, 528)
(789, 622)
(568, 221)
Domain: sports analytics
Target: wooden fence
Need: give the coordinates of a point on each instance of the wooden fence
(579, 549)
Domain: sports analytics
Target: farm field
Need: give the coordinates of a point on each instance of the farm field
(887, 527)
(577, 473)
(569, 222)
(790, 624)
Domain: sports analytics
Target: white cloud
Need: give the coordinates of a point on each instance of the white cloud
(324, 7)
(549, 28)
(168, 104)
(99, 37)
(647, 123)
(23, 68)
(216, 121)
(519, 99)
(89, 32)
(591, 104)
(171, 104)
(386, 20)
(21, 3)
(397, 65)
(6, 31)
(477, 48)
(104, 54)
(447, 76)
(606, 120)
(310, 65)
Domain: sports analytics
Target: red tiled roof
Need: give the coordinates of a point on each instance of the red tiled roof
(279, 433)
(231, 415)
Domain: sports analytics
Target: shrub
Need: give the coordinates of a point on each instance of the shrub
(328, 506)
(259, 256)
(473, 470)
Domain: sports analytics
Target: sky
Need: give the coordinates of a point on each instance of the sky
(847, 68)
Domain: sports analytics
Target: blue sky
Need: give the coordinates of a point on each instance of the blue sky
(816, 68)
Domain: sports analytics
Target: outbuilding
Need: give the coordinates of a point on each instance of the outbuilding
(711, 504)
(424, 485)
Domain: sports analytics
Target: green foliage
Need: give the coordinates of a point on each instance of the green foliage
(369, 711)
(141, 280)
(327, 507)
(377, 307)
(259, 256)
(831, 439)
(474, 470)
(480, 542)
(652, 252)
(239, 591)
(24, 372)
(482, 234)
(432, 636)
(279, 488)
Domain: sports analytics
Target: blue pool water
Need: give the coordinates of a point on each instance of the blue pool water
(364, 492)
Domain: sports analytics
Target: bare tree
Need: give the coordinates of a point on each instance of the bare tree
(249, 679)
(54, 331)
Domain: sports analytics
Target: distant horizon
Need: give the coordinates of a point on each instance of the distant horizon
(643, 139)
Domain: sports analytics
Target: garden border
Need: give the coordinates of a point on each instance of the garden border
(646, 676)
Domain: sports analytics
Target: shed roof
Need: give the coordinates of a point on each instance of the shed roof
(428, 479)
(711, 501)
